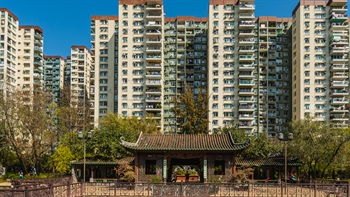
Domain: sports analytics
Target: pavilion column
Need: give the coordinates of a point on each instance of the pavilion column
(165, 168)
(205, 168)
(136, 170)
(234, 166)
(92, 174)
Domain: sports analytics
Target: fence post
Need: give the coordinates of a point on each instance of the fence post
(248, 189)
(115, 188)
(348, 190)
(281, 189)
(215, 189)
(181, 190)
(315, 194)
(51, 188)
(81, 189)
(26, 192)
(68, 189)
(148, 185)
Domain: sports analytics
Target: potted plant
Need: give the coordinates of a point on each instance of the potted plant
(193, 175)
(180, 175)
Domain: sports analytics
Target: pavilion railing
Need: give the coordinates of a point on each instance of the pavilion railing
(179, 189)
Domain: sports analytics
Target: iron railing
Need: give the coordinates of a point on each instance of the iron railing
(179, 189)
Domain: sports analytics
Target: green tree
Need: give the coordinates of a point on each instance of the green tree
(192, 110)
(260, 147)
(317, 145)
(61, 159)
(27, 125)
(106, 139)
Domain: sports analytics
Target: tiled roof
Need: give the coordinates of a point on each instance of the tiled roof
(267, 162)
(182, 142)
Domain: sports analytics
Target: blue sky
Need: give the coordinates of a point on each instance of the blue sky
(67, 22)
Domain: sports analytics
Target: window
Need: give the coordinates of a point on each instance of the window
(151, 166)
(219, 167)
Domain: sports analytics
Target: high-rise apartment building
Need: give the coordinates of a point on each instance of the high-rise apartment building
(140, 52)
(104, 33)
(9, 29)
(273, 64)
(54, 75)
(232, 65)
(30, 58)
(185, 63)
(254, 69)
(81, 65)
(320, 82)
(67, 71)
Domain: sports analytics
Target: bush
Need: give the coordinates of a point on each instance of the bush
(156, 179)
(192, 172)
(180, 171)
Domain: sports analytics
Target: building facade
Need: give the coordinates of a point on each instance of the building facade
(320, 62)
(260, 73)
(30, 58)
(104, 33)
(9, 30)
(54, 75)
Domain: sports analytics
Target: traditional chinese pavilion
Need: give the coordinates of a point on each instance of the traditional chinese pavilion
(213, 156)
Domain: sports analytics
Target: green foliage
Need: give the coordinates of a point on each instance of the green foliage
(61, 159)
(106, 139)
(192, 172)
(318, 146)
(243, 173)
(125, 172)
(155, 179)
(215, 179)
(260, 146)
(180, 171)
(192, 112)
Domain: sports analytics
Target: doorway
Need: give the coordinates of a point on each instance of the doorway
(186, 164)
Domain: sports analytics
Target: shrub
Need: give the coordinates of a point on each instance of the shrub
(156, 179)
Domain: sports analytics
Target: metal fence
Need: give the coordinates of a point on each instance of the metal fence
(179, 189)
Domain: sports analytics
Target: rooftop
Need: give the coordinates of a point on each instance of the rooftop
(184, 142)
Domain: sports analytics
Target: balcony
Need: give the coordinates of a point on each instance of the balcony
(246, 92)
(246, 24)
(339, 76)
(154, 82)
(154, 58)
(249, 7)
(339, 101)
(153, 32)
(246, 16)
(153, 49)
(154, 24)
(338, 109)
(246, 83)
(154, 16)
(154, 91)
(246, 107)
(339, 60)
(247, 41)
(154, 74)
(339, 84)
(246, 117)
(152, 99)
(337, 26)
(339, 50)
(245, 125)
(154, 41)
(339, 67)
(340, 92)
(156, 107)
(338, 18)
(246, 67)
(246, 58)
